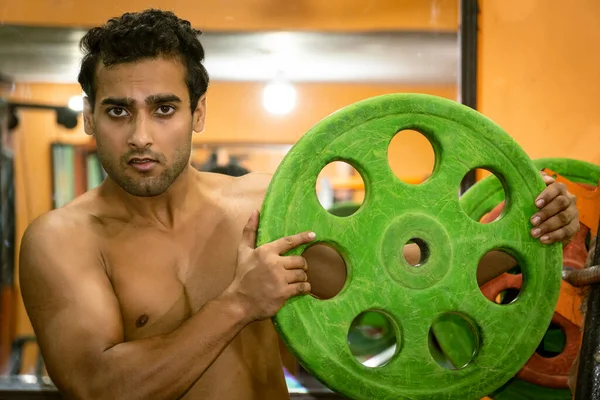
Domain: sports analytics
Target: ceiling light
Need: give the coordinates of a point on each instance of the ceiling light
(76, 103)
(279, 97)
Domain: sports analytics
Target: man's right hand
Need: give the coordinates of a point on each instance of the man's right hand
(264, 279)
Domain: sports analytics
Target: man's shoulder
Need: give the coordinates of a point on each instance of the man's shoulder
(54, 238)
(240, 195)
(252, 184)
(69, 223)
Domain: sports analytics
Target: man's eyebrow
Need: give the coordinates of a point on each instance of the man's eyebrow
(162, 98)
(150, 100)
(119, 102)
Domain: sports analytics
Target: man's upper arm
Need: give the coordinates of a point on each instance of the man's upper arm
(68, 297)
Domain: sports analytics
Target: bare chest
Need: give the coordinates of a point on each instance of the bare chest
(163, 279)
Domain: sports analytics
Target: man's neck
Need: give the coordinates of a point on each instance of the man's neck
(167, 210)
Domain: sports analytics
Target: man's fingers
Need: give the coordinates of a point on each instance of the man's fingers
(560, 220)
(249, 232)
(547, 178)
(557, 205)
(299, 288)
(550, 193)
(560, 234)
(285, 244)
(295, 276)
(294, 262)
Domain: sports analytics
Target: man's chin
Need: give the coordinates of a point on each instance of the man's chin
(144, 190)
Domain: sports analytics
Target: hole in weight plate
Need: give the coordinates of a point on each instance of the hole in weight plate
(553, 343)
(416, 252)
(411, 156)
(496, 212)
(499, 277)
(325, 264)
(340, 188)
(453, 340)
(372, 338)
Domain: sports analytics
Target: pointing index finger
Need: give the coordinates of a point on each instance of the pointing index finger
(288, 243)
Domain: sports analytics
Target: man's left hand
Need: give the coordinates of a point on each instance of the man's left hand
(557, 219)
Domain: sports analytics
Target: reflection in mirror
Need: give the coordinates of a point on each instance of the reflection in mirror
(276, 69)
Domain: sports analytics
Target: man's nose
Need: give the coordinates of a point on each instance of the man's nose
(140, 137)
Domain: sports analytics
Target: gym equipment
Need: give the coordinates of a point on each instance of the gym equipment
(64, 115)
(545, 372)
(393, 213)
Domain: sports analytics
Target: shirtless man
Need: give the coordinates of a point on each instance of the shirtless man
(150, 286)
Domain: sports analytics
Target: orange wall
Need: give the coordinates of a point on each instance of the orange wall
(540, 74)
(235, 114)
(243, 15)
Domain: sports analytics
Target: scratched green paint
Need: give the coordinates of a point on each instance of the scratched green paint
(316, 330)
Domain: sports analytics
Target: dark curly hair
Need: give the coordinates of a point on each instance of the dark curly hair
(144, 35)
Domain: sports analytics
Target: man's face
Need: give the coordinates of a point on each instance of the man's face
(143, 124)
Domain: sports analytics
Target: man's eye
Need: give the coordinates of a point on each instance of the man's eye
(117, 112)
(166, 110)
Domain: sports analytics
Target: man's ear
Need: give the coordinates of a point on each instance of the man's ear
(88, 117)
(199, 116)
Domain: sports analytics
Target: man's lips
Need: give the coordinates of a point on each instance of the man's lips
(141, 160)
(143, 164)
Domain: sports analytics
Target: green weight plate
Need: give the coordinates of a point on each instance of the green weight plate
(371, 242)
(517, 389)
(486, 194)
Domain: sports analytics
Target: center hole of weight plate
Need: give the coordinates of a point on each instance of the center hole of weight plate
(416, 252)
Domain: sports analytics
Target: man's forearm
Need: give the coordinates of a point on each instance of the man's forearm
(166, 366)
